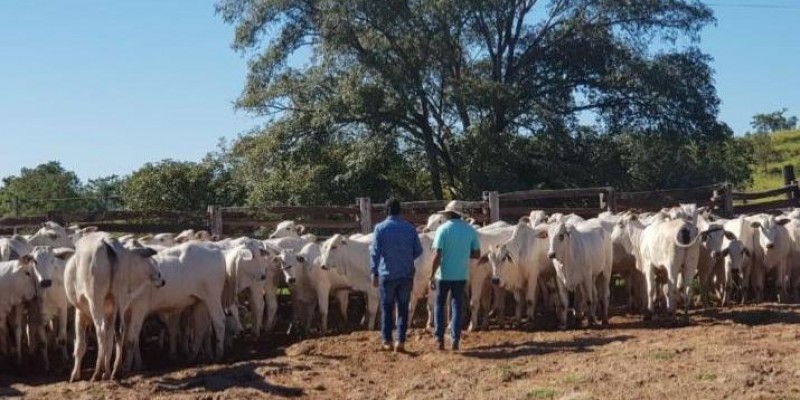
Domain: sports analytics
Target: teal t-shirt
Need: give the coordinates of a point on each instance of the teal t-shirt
(455, 240)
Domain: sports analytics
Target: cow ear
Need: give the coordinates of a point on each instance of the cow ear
(246, 254)
(89, 229)
(525, 220)
(542, 235)
(301, 229)
(483, 258)
(144, 252)
(729, 235)
(27, 259)
(63, 252)
(782, 221)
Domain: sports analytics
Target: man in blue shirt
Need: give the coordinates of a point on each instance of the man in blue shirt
(393, 251)
(454, 244)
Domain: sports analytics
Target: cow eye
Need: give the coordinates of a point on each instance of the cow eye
(333, 247)
(561, 237)
(28, 273)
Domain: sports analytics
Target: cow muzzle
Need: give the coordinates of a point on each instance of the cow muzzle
(46, 283)
(262, 278)
(551, 256)
(715, 254)
(291, 280)
(160, 283)
(496, 281)
(324, 267)
(771, 245)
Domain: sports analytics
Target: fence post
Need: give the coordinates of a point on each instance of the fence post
(611, 199)
(728, 205)
(215, 220)
(493, 197)
(365, 212)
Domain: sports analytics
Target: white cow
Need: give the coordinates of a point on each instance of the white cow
(481, 290)
(55, 305)
(18, 283)
(287, 229)
(711, 264)
(51, 234)
(274, 275)
(517, 265)
(625, 238)
(193, 273)
(350, 258)
(316, 283)
(100, 294)
(13, 248)
(161, 240)
(582, 256)
(247, 267)
(672, 247)
(537, 217)
(772, 249)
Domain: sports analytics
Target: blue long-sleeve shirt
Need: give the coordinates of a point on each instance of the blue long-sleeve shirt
(394, 249)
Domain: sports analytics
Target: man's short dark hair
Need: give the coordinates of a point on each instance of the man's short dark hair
(393, 206)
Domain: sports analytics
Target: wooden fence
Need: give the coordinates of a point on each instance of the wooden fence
(363, 215)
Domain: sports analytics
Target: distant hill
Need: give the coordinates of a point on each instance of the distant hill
(787, 147)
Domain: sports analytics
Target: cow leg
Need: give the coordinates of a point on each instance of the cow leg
(757, 279)
(82, 322)
(372, 311)
(257, 309)
(173, 323)
(650, 280)
(476, 294)
(128, 345)
(519, 299)
(17, 315)
(562, 309)
(3, 334)
(343, 297)
(746, 277)
(61, 338)
(271, 300)
(531, 297)
(323, 302)
(603, 283)
(781, 271)
(218, 321)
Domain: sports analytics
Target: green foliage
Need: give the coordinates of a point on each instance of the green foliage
(449, 98)
(775, 121)
(45, 188)
(181, 186)
(763, 150)
(786, 150)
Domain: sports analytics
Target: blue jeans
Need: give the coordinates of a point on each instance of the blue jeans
(395, 292)
(456, 290)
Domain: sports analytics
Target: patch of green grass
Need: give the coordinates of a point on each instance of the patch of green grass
(663, 355)
(575, 379)
(787, 151)
(508, 373)
(706, 376)
(541, 394)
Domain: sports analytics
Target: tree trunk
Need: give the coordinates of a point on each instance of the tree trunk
(433, 164)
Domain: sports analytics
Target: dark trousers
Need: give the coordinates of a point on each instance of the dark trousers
(395, 293)
(456, 291)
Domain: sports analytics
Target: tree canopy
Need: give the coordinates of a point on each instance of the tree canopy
(774, 122)
(461, 96)
(47, 187)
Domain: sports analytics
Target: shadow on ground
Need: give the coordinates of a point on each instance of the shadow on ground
(511, 350)
(243, 375)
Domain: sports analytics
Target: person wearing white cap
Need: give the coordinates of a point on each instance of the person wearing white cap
(455, 243)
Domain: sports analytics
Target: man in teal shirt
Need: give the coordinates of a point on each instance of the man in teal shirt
(455, 243)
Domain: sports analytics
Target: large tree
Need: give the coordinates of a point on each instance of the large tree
(774, 122)
(44, 188)
(485, 94)
(180, 186)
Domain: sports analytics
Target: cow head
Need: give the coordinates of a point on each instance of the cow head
(137, 261)
(713, 239)
(287, 229)
(290, 263)
(769, 230)
(43, 265)
(500, 258)
(333, 252)
(559, 237)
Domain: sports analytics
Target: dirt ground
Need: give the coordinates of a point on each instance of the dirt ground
(747, 352)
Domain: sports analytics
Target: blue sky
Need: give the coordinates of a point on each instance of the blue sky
(105, 86)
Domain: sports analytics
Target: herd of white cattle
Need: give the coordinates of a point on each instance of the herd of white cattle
(198, 286)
